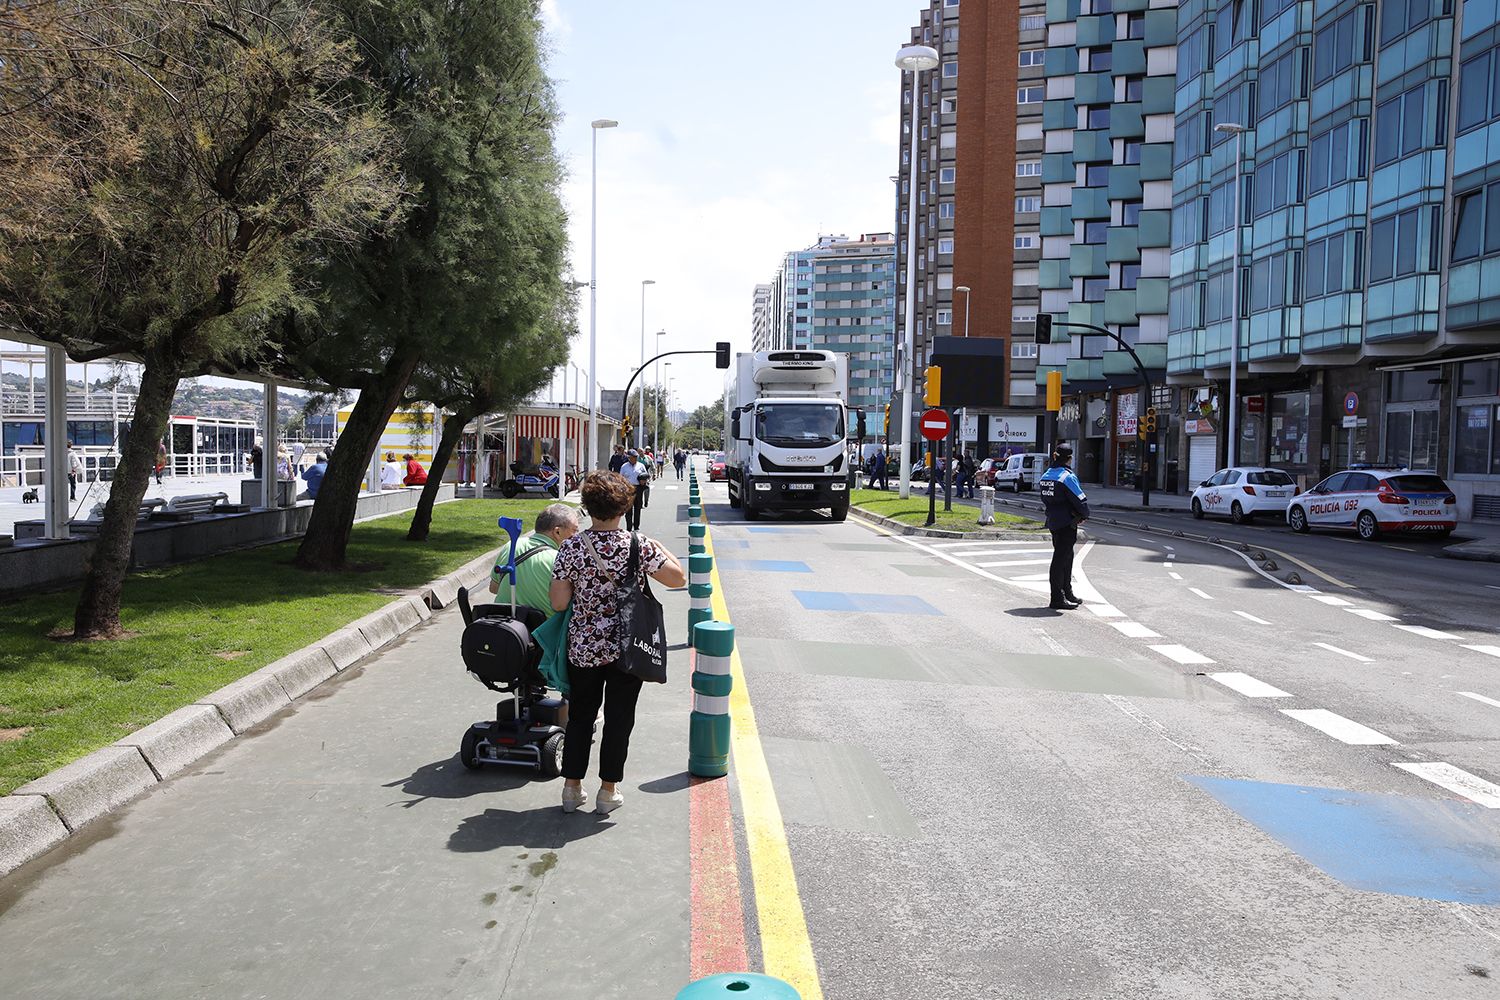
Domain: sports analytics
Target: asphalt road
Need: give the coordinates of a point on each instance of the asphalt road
(1205, 783)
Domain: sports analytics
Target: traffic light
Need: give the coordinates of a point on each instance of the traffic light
(721, 354)
(1043, 328)
(1150, 422)
(625, 429)
(887, 418)
(934, 392)
(1054, 391)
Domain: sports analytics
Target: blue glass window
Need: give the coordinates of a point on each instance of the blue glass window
(1270, 8)
(1277, 183)
(1400, 17)
(1337, 155)
(1282, 82)
(1476, 229)
(1335, 265)
(1272, 284)
(1341, 44)
(1402, 125)
(1400, 244)
(1479, 90)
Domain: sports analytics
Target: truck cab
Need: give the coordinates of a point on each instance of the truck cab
(786, 427)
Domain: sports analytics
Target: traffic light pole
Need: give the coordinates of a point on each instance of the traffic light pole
(1142, 452)
(625, 403)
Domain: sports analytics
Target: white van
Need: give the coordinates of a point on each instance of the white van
(1021, 472)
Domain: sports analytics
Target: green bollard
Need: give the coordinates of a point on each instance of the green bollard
(694, 512)
(700, 590)
(708, 725)
(697, 537)
(739, 986)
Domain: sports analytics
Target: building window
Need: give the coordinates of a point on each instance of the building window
(1100, 60)
(1135, 25)
(1334, 265)
(1033, 22)
(1476, 439)
(1400, 244)
(945, 244)
(1130, 275)
(1479, 91)
(1277, 183)
(1023, 348)
(1097, 117)
(1028, 168)
(1338, 155)
(947, 175)
(945, 317)
(1192, 56)
(1399, 17)
(950, 70)
(1270, 8)
(1094, 289)
(1130, 213)
(1402, 125)
(1340, 45)
(1032, 57)
(1281, 83)
(1030, 95)
(949, 106)
(1132, 152)
(1096, 176)
(1135, 88)
(1273, 282)
(1023, 317)
(1477, 229)
(1025, 241)
(1221, 209)
(1095, 233)
(1028, 203)
(945, 210)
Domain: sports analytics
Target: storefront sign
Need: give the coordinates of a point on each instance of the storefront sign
(1125, 414)
(1255, 404)
(1012, 430)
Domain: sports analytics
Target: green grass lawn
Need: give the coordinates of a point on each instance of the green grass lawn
(199, 626)
(913, 510)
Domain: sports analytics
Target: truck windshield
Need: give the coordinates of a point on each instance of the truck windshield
(797, 425)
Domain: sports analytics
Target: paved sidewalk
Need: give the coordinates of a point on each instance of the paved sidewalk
(340, 850)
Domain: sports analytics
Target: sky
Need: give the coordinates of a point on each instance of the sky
(747, 129)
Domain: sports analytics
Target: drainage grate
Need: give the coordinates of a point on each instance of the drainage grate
(1487, 507)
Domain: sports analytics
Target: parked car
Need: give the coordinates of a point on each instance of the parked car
(1376, 500)
(718, 471)
(984, 475)
(1243, 492)
(1021, 472)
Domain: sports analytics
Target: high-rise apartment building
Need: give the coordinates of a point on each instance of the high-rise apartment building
(838, 295)
(762, 318)
(1369, 217)
(1105, 219)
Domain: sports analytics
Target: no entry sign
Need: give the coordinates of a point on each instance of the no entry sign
(936, 424)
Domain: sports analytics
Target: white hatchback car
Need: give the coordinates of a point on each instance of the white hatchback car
(1373, 500)
(1244, 491)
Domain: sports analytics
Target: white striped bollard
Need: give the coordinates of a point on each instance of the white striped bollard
(708, 726)
(700, 590)
(697, 536)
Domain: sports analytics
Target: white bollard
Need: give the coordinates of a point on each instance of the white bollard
(986, 505)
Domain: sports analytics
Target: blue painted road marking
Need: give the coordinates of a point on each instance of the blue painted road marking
(766, 565)
(1428, 848)
(731, 543)
(888, 604)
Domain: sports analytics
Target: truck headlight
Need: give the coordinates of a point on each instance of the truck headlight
(763, 486)
(839, 485)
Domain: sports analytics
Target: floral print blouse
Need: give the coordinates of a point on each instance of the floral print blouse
(594, 636)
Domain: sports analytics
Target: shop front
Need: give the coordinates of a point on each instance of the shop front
(999, 435)
(1093, 455)
(1127, 452)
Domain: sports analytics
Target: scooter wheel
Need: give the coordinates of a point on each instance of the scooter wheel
(468, 751)
(552, 757)
(509, 489)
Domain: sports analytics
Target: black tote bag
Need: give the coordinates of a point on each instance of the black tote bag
(643, 630)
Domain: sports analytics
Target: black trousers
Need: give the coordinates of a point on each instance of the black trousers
(1061, 573)
(72, 487)
(588, 688)
(633, 515)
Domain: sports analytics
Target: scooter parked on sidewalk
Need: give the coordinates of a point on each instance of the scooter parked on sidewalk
(547, 482)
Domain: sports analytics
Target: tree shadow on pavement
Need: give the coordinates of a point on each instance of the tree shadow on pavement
(449, 779)
(543, 828)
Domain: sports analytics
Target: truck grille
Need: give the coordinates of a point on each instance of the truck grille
(769, 466)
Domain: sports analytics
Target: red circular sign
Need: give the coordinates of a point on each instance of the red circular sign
(936, 424)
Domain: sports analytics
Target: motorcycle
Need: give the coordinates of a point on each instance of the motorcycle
(548, 483)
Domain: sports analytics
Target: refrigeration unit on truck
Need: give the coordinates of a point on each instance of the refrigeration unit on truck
(786, 422)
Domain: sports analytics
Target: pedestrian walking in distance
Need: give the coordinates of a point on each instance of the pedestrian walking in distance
(589, 573)
(1067, 507)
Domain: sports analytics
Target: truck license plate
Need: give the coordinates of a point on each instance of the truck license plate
(799, 486)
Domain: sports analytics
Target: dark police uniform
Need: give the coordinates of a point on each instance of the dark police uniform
(1066, 505)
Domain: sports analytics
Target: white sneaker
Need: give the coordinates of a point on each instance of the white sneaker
(608, 802)
(573, 799)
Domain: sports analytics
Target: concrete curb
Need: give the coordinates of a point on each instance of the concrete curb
(174, 741)
(41, 814)
(901, 528)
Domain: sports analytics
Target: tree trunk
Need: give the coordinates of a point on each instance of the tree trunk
(453, 428)
(326, 543)
(97, 615)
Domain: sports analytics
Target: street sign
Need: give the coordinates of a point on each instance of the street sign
(936, 424)
(1351, 403)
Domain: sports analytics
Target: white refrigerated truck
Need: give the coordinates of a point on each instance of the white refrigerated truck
(785, 425)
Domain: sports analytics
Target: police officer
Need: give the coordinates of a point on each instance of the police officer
(1067, 506)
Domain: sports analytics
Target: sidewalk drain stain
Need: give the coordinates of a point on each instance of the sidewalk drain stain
(545, 865)
(490, 925)
(489, 898)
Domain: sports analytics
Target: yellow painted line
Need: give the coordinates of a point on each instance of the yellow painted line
(1307, 566)
(786, 948)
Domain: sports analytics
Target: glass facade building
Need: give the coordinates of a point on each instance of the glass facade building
(1370, 150)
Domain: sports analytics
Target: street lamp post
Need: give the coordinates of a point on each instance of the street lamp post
(915, 59)
(965, 290)
(640, 431)
(596, 126)
(656, 423)
(1238, 131)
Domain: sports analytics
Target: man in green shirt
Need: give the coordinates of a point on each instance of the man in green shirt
(554, 525)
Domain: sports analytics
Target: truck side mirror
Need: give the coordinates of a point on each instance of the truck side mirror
(734, 425)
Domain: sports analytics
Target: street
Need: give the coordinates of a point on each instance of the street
(1204, 783)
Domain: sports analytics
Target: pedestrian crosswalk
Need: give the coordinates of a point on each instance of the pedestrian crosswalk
(1020, 562)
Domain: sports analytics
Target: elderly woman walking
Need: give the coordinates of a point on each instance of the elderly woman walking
(590, 566)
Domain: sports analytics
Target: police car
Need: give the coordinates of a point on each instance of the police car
(1242, 492)
(1376, 500)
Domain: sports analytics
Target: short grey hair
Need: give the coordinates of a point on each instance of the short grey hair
(556, 515)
